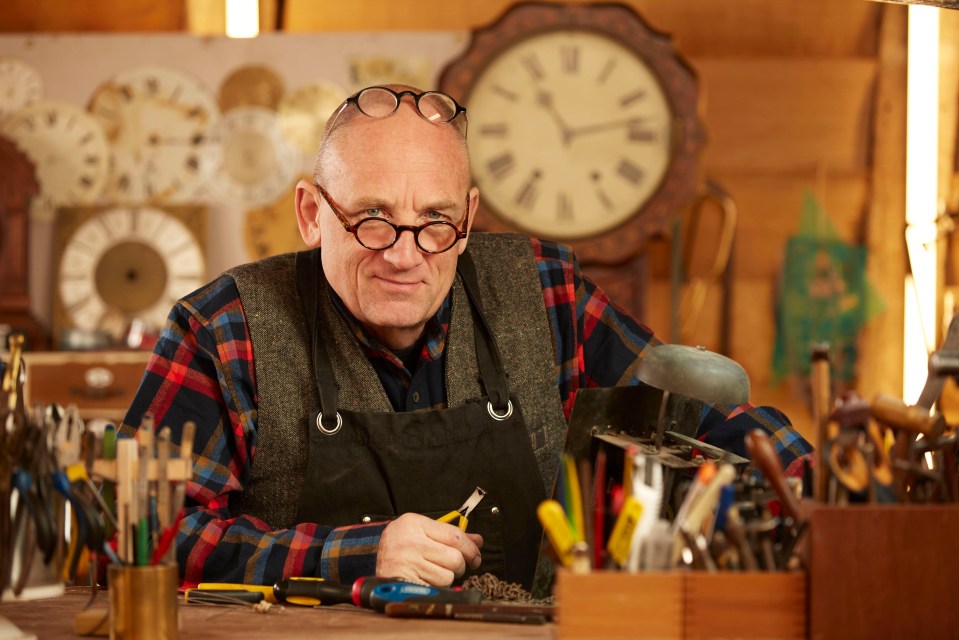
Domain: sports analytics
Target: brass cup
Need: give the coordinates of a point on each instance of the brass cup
(143, 602)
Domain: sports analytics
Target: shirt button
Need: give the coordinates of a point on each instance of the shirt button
(416, 396)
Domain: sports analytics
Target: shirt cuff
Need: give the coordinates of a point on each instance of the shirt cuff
(350, 552)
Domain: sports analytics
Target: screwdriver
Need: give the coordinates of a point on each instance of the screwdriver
(314, 592)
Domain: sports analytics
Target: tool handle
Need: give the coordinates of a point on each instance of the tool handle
(764, 456)
(406, 592)
(312, 592)
(899, 415)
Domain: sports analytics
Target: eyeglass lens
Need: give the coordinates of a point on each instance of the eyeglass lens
(379, 102)
(376, 234)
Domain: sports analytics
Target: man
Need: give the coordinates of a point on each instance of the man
(345, 398)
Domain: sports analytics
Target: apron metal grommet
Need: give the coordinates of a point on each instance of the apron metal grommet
(504, 415)
(324, 430)
(494, 511)
(366, 520)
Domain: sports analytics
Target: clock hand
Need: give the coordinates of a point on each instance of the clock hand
(602, 126)
(155, 139)
(545, 100)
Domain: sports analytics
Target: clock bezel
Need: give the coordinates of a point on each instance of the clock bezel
(675, 76)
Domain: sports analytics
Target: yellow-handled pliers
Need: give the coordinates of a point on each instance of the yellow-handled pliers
(462, 514)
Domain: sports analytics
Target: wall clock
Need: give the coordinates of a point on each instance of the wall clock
(252, 85)
(303, 114)
(271, 229)
(158, 122)
(18, 185)
(69, 150)
(583, 125)
(134, 262)
(255, 163)
(20, 85)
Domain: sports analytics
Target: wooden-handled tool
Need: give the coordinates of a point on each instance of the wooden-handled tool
(764, 456)
(821, 392)
(897, 414)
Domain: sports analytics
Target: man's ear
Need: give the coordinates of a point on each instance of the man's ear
(308, 212)
(470, 216)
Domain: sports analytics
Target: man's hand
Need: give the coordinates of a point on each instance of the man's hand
(419, 549)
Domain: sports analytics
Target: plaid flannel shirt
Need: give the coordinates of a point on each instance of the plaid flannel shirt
(202, 367)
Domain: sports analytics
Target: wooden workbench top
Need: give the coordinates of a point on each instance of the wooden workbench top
(52, 619)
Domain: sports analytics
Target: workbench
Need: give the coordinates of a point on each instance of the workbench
(52, 619)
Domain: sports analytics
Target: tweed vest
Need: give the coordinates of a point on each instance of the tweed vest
(286, 391)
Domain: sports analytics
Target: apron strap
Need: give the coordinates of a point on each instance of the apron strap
(308, 274)
(492, 375)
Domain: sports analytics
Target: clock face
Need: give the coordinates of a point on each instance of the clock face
(132, 261)
(570, 133)
(69, 150)
(303, 114)
(20, 85)
(158, 122)
(256, 163)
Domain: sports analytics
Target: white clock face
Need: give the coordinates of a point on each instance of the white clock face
(136, 261)
(69, 151)
(20, 85)
(569, 134)
(256, 163)
(158, 122)
(303, 114)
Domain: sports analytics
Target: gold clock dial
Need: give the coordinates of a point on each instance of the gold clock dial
(20, 85)
(134, 262)
(271, 230)
(304, 112)
(158, 122)
(570, 133)
(255, 163)
(69, 150)
(252, 85)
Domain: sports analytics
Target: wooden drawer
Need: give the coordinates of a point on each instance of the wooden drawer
(100, 383)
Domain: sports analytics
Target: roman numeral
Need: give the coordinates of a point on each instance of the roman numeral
(629, 171)
(606, 70)
(506, 93)
(526, 197)
(498, 130)
(629, 99)
(500, 166)
(637, 133)
(569, 57)
(564, 206)
(533, 66)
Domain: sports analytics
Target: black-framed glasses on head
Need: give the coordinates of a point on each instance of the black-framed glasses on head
(378, 234)
(382, 102)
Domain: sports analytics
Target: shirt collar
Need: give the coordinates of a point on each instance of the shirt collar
(435, 331)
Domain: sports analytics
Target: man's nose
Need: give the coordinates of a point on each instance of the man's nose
(404, 250)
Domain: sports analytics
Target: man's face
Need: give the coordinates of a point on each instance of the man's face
(411, 172)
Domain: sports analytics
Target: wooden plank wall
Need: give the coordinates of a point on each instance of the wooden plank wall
(797, 94)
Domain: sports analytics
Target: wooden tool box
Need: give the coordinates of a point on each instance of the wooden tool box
(681, 604)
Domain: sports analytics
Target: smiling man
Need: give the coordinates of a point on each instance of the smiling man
(347, 396)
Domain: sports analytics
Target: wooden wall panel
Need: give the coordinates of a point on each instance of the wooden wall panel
(102, 15)
(731, 27)
(770, 209)
(769, 114)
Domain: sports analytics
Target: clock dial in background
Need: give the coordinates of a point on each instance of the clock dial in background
(271, 229)
(584, 127)
(20, 85)
(255, 163)
(68, 149)
(129, 262)
(304, 112)
(251, 86)
(158, 123)
(570, 133)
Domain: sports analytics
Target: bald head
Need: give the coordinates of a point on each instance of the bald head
(342, 124)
